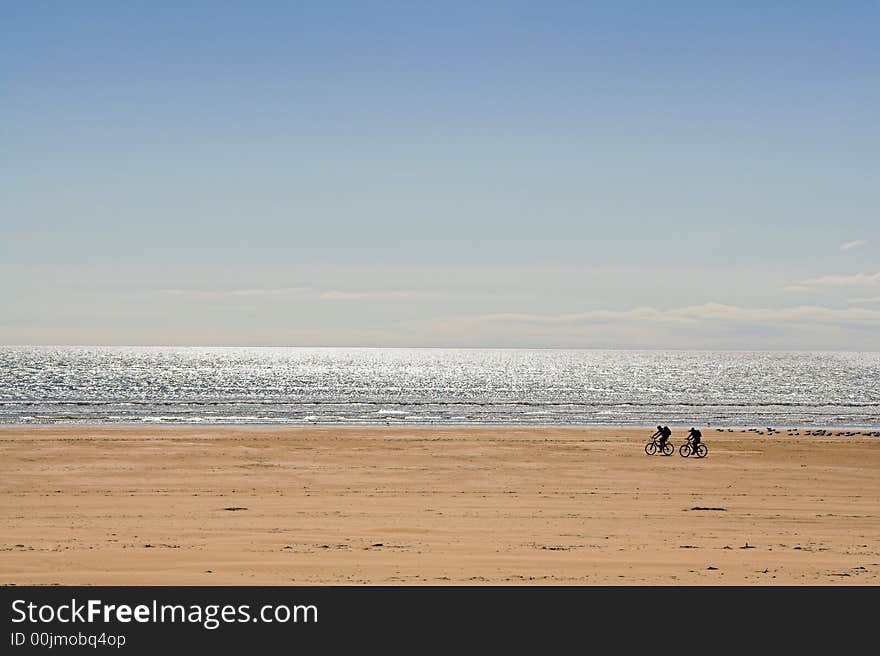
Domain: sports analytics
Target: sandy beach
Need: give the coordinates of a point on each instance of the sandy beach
(266, 505)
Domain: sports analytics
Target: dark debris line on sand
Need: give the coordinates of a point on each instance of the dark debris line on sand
(811, 432)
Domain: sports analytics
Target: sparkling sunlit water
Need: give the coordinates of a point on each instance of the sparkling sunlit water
(436, 386)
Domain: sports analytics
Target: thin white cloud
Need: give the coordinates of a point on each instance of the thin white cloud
(696, 313)
(293, 292)
(340, 295)
(849, 245)
(711, 325)
(837, 281)
(232, 293)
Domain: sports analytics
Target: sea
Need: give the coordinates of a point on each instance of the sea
(445, 387)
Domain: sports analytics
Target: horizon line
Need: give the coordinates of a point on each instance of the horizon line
(447, 348)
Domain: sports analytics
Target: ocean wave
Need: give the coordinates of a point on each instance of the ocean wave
(487, 404)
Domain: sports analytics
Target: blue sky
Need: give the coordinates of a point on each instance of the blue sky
(575, 174)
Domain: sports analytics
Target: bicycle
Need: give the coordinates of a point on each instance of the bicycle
(653, 447)
(687, 449)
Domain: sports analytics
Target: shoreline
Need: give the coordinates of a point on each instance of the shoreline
(269, 505)
(148, 425)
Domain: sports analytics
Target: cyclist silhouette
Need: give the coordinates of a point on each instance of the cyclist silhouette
(694, 435)
(663, 433)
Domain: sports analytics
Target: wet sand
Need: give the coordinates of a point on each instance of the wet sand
(268, 505)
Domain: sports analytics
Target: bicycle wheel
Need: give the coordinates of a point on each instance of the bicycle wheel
(684, 450)
(650, 448)
(668, 449)
(702, 450)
